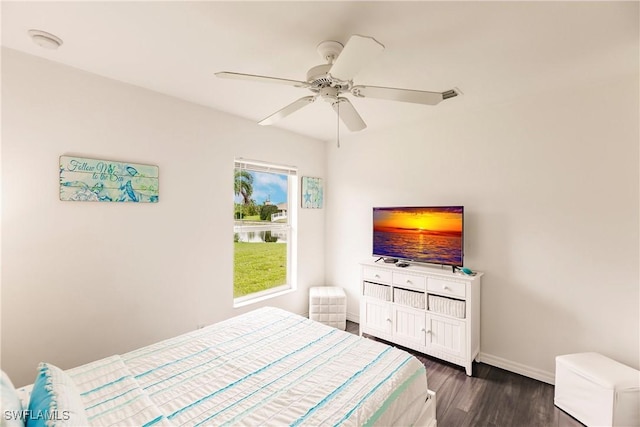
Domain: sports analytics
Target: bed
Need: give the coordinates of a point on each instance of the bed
(266, 367)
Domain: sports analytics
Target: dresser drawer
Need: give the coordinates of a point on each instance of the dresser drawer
(373, 274)
(410, 281)
(446, 287)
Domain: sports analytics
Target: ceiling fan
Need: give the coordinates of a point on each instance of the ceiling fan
(331, 80)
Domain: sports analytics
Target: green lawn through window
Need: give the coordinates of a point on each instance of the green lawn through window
(258, 266)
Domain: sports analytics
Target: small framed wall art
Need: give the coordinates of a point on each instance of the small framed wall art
(312, 193)
(92, 180)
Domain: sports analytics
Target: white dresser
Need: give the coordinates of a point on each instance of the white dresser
(428, 309)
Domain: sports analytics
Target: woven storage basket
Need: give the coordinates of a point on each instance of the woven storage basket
(377, 291)
(409, 298)
(448, 306)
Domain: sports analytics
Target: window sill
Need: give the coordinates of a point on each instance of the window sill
(261, 296)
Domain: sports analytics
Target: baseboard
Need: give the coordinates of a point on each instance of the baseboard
(352, 317)
(518, 368)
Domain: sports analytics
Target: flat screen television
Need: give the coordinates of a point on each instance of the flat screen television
(428, 234)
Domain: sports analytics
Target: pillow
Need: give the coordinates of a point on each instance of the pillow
(10, 404)
(55, 401)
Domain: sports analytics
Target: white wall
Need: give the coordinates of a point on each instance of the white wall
(550, 187)
(82, 281)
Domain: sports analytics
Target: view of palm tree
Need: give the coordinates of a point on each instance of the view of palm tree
(243, 185)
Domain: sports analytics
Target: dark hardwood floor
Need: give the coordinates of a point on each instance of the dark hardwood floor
(493, 397)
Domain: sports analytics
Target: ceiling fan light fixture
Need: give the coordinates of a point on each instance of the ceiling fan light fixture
(45, 40)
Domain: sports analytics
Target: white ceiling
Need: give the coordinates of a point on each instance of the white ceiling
(493, 52)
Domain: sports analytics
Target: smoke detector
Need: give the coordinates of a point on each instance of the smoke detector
(45, 40)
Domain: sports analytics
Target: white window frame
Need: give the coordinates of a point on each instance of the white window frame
(290, 227)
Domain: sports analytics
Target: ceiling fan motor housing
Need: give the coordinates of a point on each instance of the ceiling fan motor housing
(318, 77)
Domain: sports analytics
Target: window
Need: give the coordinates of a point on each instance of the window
(264, 236)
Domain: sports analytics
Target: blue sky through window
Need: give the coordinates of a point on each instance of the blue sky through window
(268, 186)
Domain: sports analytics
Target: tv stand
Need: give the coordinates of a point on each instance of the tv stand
(428, 309)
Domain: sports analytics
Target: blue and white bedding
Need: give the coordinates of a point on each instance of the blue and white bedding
(267, 367)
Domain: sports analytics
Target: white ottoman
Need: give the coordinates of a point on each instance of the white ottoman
(328, 305)
(597, 391)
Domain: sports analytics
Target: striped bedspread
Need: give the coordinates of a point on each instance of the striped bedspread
(267, 367)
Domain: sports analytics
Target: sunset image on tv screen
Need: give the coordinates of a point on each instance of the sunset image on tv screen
(423, 234)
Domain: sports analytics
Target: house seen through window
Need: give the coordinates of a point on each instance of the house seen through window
(264, 229)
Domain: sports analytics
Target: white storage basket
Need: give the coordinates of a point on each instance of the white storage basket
(409, 298)
(448, 306)
(374, 290)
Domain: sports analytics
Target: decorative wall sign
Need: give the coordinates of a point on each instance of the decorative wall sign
(107, 181)
(312, 194)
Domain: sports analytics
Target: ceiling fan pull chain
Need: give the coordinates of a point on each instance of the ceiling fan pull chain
(338, 124)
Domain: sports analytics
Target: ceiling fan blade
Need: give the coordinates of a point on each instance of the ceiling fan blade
(348, 115)
(291, 108)
(263, 79)
(402, 95)
(357, 53)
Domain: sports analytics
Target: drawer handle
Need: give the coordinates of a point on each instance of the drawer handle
(377, 276)
(446, 288)
(388, 320)
(423, 330)
(409, 282)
